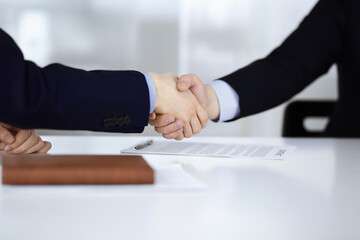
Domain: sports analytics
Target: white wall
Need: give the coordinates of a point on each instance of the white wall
(208, 37)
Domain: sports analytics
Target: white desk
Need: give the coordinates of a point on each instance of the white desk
(313, 195)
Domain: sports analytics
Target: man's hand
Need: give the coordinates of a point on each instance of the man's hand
(206, 96)
(181, 105)
(18, 141)
(204, 93)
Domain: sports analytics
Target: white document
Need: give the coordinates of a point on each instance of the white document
(211, 149)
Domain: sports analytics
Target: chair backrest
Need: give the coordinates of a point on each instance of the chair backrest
(298, 111)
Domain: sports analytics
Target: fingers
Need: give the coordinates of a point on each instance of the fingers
(162, 120)
(192, 81)
(180, 136)
(178, 130)
(46, 148)
(195, 126)
(152, 116)
(5, 136)
(172, 130)
(30, 147)
(17, 141)
(23, 141)
(185, 82)
(188, 106)
(27, 141)
(173, 127)
(202, 116)
(40, 147)
(167, 126)
(187, 130)
(174, 135)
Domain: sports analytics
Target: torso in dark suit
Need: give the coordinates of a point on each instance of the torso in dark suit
(60, 97)
(329, 34)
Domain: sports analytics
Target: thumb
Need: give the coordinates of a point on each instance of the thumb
(152, 116)
(191, 81)
(184, 82)
(6, 136)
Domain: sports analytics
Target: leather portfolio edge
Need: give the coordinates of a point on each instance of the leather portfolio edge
(45, 169)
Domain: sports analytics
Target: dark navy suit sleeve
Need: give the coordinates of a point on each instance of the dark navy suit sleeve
(60, 97)
(305, 55)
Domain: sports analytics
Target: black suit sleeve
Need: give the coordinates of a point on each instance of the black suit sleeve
(305, 55)
(60, 97)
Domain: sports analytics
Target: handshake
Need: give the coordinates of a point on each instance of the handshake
(183, 105)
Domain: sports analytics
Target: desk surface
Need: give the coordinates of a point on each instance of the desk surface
(315, 194)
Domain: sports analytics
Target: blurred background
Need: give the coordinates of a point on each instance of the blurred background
(208, 37)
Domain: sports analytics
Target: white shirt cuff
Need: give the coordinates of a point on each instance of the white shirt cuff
(152, 91)
(228, 100)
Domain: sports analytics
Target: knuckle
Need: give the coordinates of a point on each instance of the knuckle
(203, 123)
(162, 122)
(27, 133)
(34, 139)
(41, 144)
(204, 117)
(191, 112)
(186, 120)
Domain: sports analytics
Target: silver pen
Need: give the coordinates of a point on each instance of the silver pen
(145, 144)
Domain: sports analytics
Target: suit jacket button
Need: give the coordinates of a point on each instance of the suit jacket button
(107, 122)
(127, 120)
(110, 122)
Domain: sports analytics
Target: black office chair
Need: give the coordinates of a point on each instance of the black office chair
(296, 113)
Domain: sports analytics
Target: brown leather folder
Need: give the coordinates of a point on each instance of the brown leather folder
(75, 169)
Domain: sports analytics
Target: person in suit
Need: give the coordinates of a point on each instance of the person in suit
(329, 34)
(61, 97)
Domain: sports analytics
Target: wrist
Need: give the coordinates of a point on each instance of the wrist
(155, 77)
(213, 108)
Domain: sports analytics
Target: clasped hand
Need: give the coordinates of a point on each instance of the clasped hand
(183, 105)
(18, 141)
